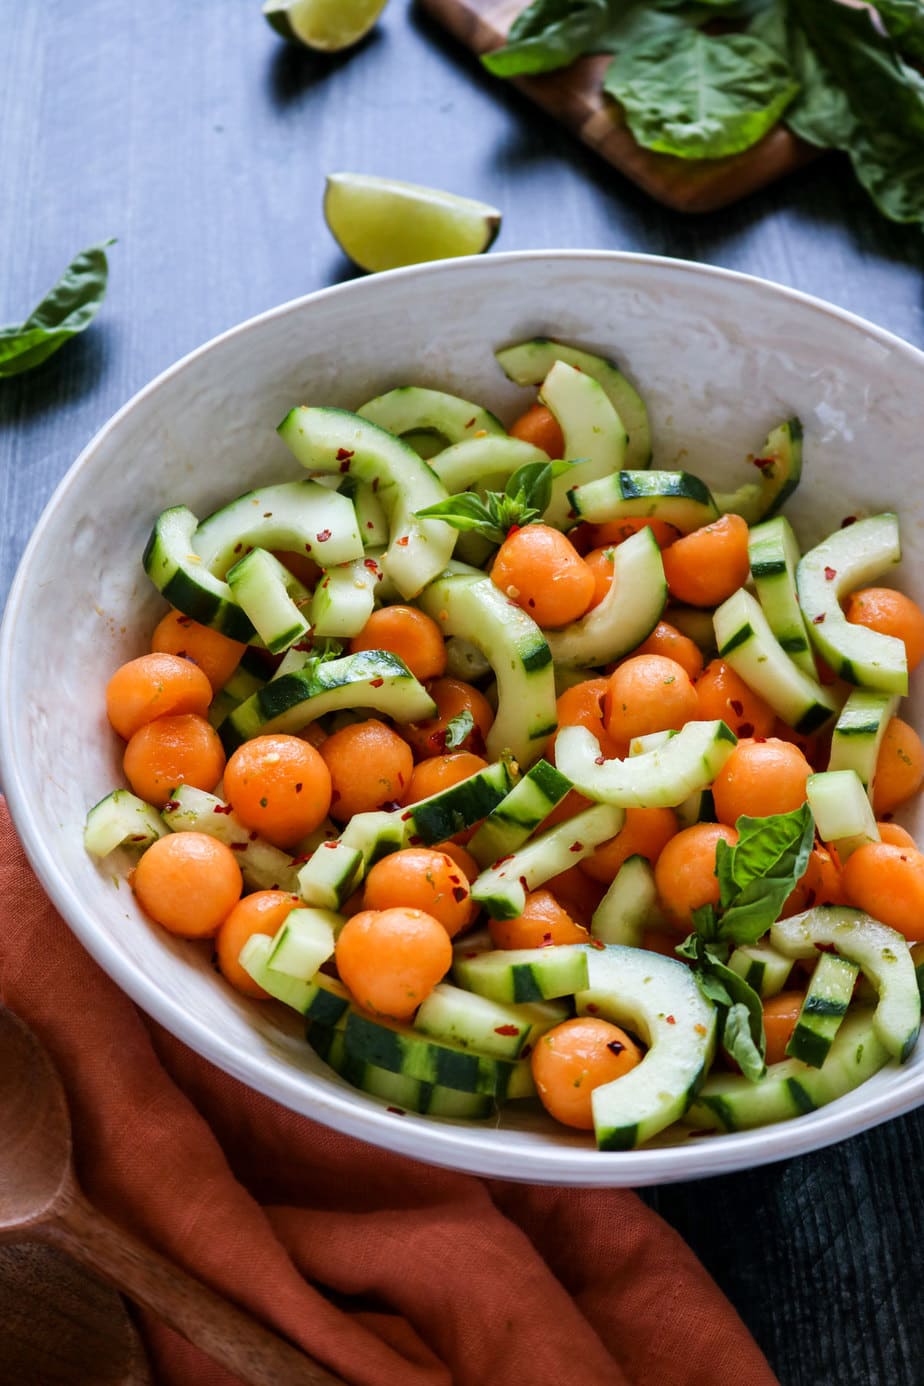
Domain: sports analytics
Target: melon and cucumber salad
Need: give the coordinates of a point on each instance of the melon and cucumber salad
(524, 769)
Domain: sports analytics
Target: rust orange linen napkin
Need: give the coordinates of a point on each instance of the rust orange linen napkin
(389, 1272)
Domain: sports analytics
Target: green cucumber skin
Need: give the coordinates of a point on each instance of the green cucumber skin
(678, 497)
(412, 1054)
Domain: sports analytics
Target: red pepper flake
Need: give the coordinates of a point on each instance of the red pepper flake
(700, 1029)
(817, 620)
(392, 805)
(369, 525)
(473, 954)
(222, 808)
(760, 740)
(764, 464)
(615, 1047)
(500, 860)
(398, 1111)
(403, 541)
(406, 816)
(670, 1020)
(576, 847)
(300, 861)
(323, 536)
(238, 547)
(471, 421)
(848, 520)
(599, 760)
(455, 880)
(328, 844)
(376, 683)
(745, 728)
(414, 840)
(371, 564)
(335, 795)
(524, 883)
(596, 943)
(506, 1029)
(187, 620)
(591, 1009)
(171, 806)
(299, 787)
(253, 837)
(344, 454)
(238, 846)
(530, 601)
(825, 948)
(307, 548)
(459, 893)
(267, 514)
(546, 941)
(830, 574)
(143, 837)
(736, 706)
(526, 1051)
(375, 484)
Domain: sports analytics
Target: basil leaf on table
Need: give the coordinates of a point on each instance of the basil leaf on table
(821, 112)
(904, 21)
(700, 97)
(549, 34)
(67, 308)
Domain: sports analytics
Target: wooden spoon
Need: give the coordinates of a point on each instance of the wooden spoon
(41, 1202)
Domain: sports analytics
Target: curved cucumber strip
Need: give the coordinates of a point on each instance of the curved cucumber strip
(335, 441)
(730, 1102)
(842, 811)
(774, 557)
(178, 573)
(880, 953)
(521, 974)
(628, 613)
(468, 465)
(502, 889)
(490, 1027)
(859, 731)
(345, 597)
(519, 813)
(661, 778)
(271, 597)
(414, 409)
(528, 363)
(323, 999)
(762, 967)
(300, 516)
(747, 643)
(400, 1048)
(677, 498)
(593, 432)
(469, 605)
(121, 820)
(846, 560)
(397, 1089)
(780, 467)
(263, 866)
(629, 907)
(830, 993)
(369, 679)
(658, 998)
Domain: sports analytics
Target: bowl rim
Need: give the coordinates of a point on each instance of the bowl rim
(457, 1146)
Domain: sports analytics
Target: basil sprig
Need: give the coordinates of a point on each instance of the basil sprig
(458, 728)
(837, 75)
(756, 877)
(65, 310)
(523, 500)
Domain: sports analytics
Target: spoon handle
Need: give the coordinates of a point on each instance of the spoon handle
(227, 1334)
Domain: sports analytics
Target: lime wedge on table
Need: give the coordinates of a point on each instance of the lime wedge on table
(381, 224)
(328, 25)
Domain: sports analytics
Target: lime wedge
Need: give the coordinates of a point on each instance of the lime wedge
(327, 25)
(381, 224)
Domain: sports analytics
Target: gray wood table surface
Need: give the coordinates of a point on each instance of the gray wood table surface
(194, 136)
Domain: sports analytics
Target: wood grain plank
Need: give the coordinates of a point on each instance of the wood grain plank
(575, 96)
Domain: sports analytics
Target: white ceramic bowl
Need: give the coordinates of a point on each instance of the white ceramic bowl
(719, 357)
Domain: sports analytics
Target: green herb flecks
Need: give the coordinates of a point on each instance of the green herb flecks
(66, 309)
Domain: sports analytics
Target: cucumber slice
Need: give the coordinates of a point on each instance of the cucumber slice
(331, 874)
(323, 1000)
(179, 574)
(502, 888)
(374, 835)
(297, 516)
(848, 559)
(335, 441)
(774, 557)
(747, 643)
(469, 605)
(880, 953)
(659, 999)
(629, 907)
(413, 409)
(825, 1005)
(528, 363)
(263, 866)
(730, 1102)
(522, 974)
(696, 625)
(304, 941)
(271, 597)
(441, 816)
(780, 467)
(401, 1049)
(121, 819)
(660, 778)
(489, 1027)
(677, 498)
(859, 731)
(397, 1089)
(842, 811)
(519, 813)
(762, 967)
(593, 432)
(370, 513)
(369, 679)
(467, 465)
(627, 615)
(344, 599)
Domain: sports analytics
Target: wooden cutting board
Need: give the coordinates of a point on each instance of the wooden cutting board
(574, 96)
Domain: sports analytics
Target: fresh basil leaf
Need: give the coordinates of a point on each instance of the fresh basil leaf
(755, 909)
(706, 923)
(464, 512)
(700, 97)
(724, 870)
(778, 845)
(738, 1043)
(904, 21)
(458, 728)
(549, 34)
(68, 308)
